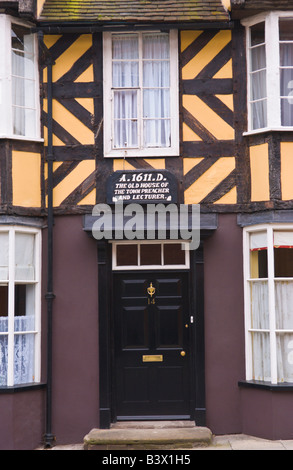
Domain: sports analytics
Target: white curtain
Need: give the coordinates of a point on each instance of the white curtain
(23, 82)
(286, 83)
(284, 321)
(156, 94)
(24, 257)
(154, 84)
(4, 244)
(260, 340)
(258, 87)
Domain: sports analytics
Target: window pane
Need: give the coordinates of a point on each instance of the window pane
(150, 254)
(284, 304)
(24, 257)
(3, 309)
(4, 243)
(125, 115)
(23, 81)
(283, 262)
(285, 357)
(259, 295)
(257, 34)
(258, 85)
(125, 74)
(156, 74)
(258, 255)
(286, 29)
(173, 253)
(126, 255)
(157, 133)
(156, 46)
(3, 359)
(259, 114)
(156, 103)
(261, 356)
(24, 358)
(24, 319)
(125, 46)
(286, 55)
(258, 58)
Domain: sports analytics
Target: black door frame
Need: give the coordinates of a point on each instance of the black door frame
(196, 302)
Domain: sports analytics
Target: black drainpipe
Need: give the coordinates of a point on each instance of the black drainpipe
(49, 438)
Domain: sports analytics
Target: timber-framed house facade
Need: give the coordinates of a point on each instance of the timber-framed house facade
(107, 107)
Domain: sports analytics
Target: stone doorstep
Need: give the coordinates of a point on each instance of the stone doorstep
(146, 436)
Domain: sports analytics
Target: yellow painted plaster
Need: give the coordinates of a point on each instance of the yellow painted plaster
(227, 100)
(225, 71)
(72, 181)
(73, 125)
(189, 135)
(259, 167)
(229, 198)
(287, 170)
(187, 37)
(89, 200)
(157, 163)
(26, 179)
(86, 76)
(189, 163)
(209, 180)
(121, 164)
(208, 118)
(207, 53)
(71, 55)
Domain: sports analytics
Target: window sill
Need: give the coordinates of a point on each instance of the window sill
(267, 129)
(23, 138)
(281, 387)
(22, 388)
(156, 152)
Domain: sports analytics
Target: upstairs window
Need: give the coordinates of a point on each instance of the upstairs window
(19, 92)
(270, 71)
(141, 94)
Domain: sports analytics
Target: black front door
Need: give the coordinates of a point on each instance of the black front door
(152, 345)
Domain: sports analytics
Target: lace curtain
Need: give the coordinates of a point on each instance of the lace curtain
(23, 350)
(154, 84)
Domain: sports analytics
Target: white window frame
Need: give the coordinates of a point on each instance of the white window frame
(173, 150)
(11, 282)
(6, 124)
(156, 267)
(271, 279)
(271, 20)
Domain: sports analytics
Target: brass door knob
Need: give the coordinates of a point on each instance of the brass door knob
(183, 353)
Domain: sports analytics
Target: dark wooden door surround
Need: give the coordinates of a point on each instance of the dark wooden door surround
(194, 401)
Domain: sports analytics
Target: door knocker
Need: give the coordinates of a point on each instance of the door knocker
(151, 292)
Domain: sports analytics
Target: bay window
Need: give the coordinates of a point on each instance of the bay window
(19, 91)
(19, 306)
(140, 94)
(269, 303)
(270, 71)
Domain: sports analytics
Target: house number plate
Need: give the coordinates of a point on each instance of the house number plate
(153, 358)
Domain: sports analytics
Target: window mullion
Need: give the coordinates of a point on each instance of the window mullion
(11, 296)
(272, 311)
(273, 70)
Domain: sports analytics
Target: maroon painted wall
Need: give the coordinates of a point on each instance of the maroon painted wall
(21, 419)
(75, 331)
(224, 326)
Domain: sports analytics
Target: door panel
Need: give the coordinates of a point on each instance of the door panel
(151, 329)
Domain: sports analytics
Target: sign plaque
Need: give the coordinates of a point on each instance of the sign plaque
(142, 186)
